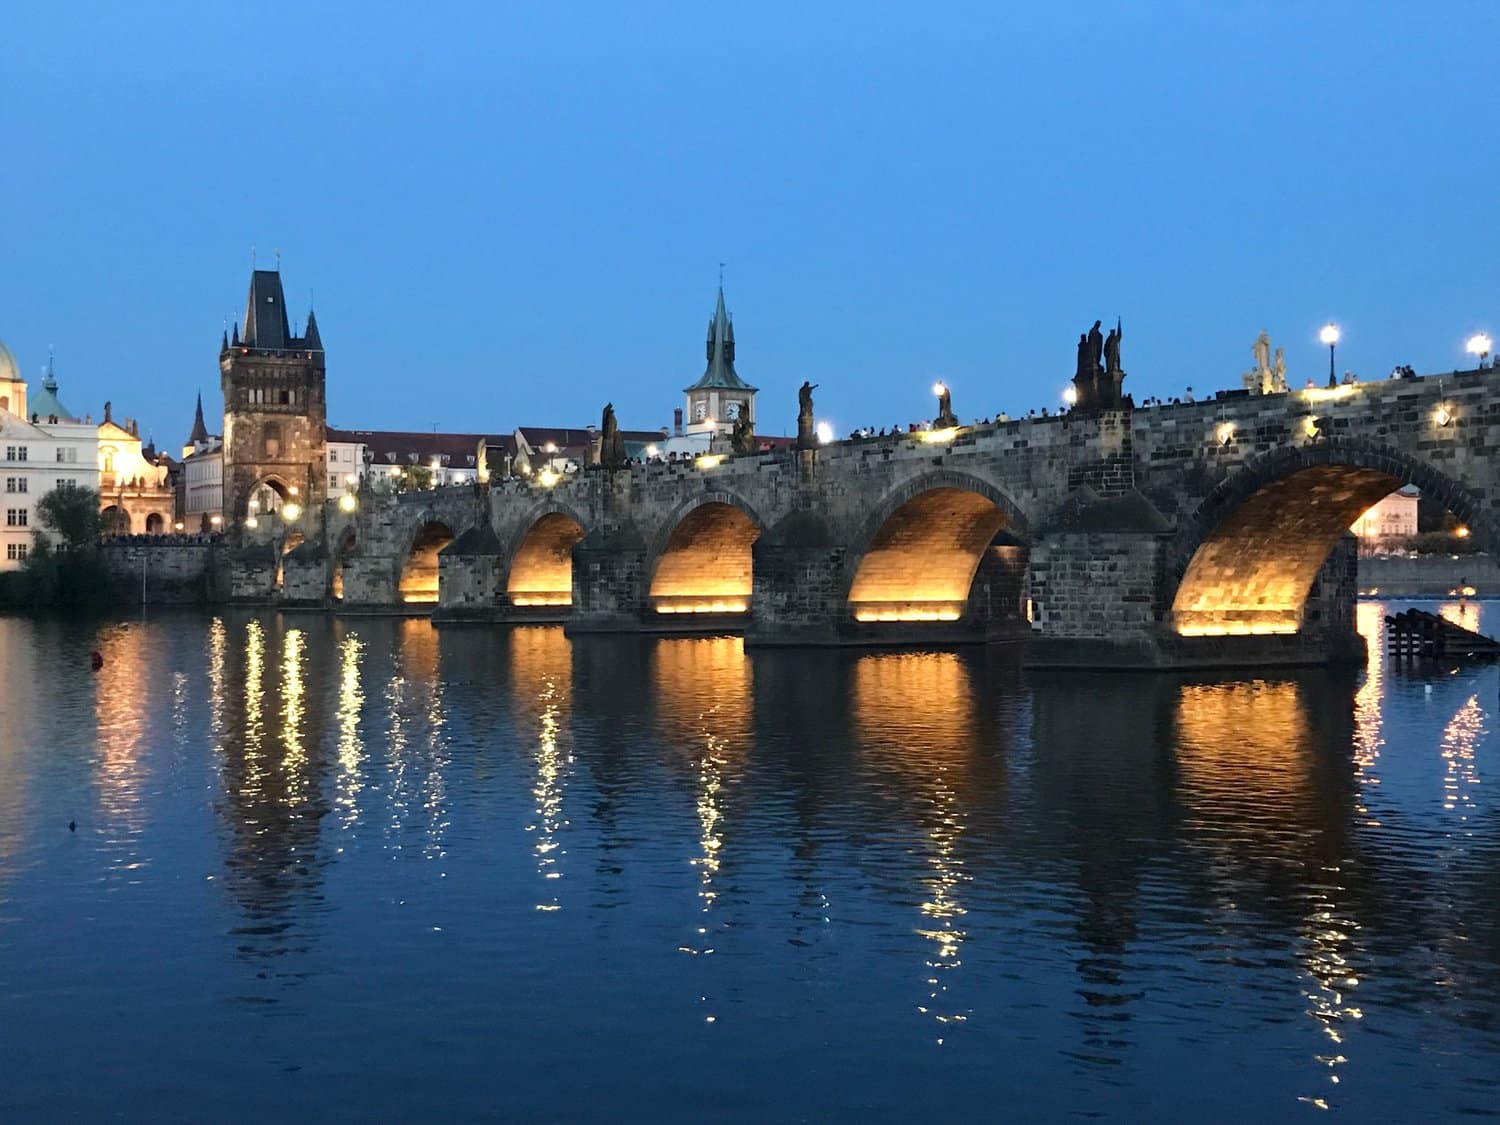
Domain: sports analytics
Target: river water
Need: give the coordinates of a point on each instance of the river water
(363, 869)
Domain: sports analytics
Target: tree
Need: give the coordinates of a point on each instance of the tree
(413, 478)
(71, 512)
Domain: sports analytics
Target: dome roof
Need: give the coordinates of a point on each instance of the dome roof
(9, 368)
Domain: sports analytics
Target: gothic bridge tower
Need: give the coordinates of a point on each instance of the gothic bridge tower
(275, 411)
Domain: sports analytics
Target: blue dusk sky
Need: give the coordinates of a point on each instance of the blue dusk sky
(512, 213)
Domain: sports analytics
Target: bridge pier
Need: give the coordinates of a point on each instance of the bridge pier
(610, 582)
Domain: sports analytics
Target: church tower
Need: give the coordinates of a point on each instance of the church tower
(720, 396)
(275, 412)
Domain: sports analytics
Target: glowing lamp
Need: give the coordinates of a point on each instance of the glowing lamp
(215, 521)
(251, 522)
(1330, 334)
(547, 478)
(177, 526)
(347, 502)
(292, 489)
(550, 447)
(1442, 416)
(1461, 532)
(1225, 433)
(1478, 345)
(651, 451)
(825, 433)
(938, 388)
(290, 511)
(709, 460)
(1070, 395)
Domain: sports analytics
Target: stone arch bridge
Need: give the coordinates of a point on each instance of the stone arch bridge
(1201, 533)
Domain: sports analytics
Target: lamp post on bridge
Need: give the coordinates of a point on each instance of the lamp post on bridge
(1479, 346)
(1330, 336)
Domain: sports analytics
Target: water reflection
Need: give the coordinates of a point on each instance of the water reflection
(1281, 884)
(542, 680)
(914, 714)
(702, 686)
(351, 701)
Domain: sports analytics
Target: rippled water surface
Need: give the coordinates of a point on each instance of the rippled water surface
(364, 870)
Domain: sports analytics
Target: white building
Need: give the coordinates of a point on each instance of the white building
(1393, 519)
(42, 445)
(202, 477)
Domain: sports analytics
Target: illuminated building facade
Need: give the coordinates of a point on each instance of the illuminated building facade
(42, 445)
(1390, 521)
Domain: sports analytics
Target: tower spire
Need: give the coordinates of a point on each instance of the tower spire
(200, 431)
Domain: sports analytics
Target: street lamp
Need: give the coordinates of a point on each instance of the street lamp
(290, 511)
(1479, 345)
(1330, 336)
(347, 502)
(1070, 395)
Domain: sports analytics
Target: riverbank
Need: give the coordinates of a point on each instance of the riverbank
(1428, 576)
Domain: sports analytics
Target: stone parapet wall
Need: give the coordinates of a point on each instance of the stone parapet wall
(169, 572)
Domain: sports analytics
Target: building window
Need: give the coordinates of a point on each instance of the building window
(16, 484)
(16, 552)
(333, 456)
(10, 484)
(16, 517)
(270, 441)
(15, 453)
(62, 454)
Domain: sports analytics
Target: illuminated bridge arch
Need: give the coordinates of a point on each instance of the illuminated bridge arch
(541, 567)
(418, 583)
(1247, 558)
(701, 561)
(921, 545)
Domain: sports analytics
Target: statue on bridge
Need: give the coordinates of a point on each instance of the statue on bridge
(1267, 377)
(611, 444)
(945, 419)
(1098, 380)
(1278, 373)
(743, 437)
(807, 436)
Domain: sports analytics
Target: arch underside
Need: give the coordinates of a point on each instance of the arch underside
(706, 565)
(419, 575)
(541, 574)
(1254, 571)
(921, 562)
(340, 557)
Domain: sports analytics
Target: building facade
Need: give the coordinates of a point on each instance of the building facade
(200, 503)
(42, 445)
(275, 409)
(1390, 521)
(718, 399)
(136, 496)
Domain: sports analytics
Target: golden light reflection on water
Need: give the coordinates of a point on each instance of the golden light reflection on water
(418, 740)
(293, 706)
(1370, 622)
(703, 684)
(1464, 614)
(255, 659)
(1248, 757)
(351, 700)
(912, 712)
(120, 691)
(541, 663)
(1461, 774)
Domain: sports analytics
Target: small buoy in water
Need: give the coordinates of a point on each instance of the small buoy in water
(72, 826)
(96, 660)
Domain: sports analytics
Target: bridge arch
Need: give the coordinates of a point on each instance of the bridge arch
(541, 564)
(1245, 561)
(700, 559)
(921, 545)
(418, 580)
(345, 546)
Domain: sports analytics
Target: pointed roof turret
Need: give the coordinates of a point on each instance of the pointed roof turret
(200, 431)
(720, 372)
(236, 341)
(224, 342)
(266, 324)
(310, 336)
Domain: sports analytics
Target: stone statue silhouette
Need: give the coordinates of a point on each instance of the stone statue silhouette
(1112, 350)
(945, 416)
(807, 437)
(611, 445)
(743, 437)
(1278, 372)
(1096, 347)
(1085, 359)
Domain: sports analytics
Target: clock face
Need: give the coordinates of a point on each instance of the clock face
(732, 411)
(700, 411)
